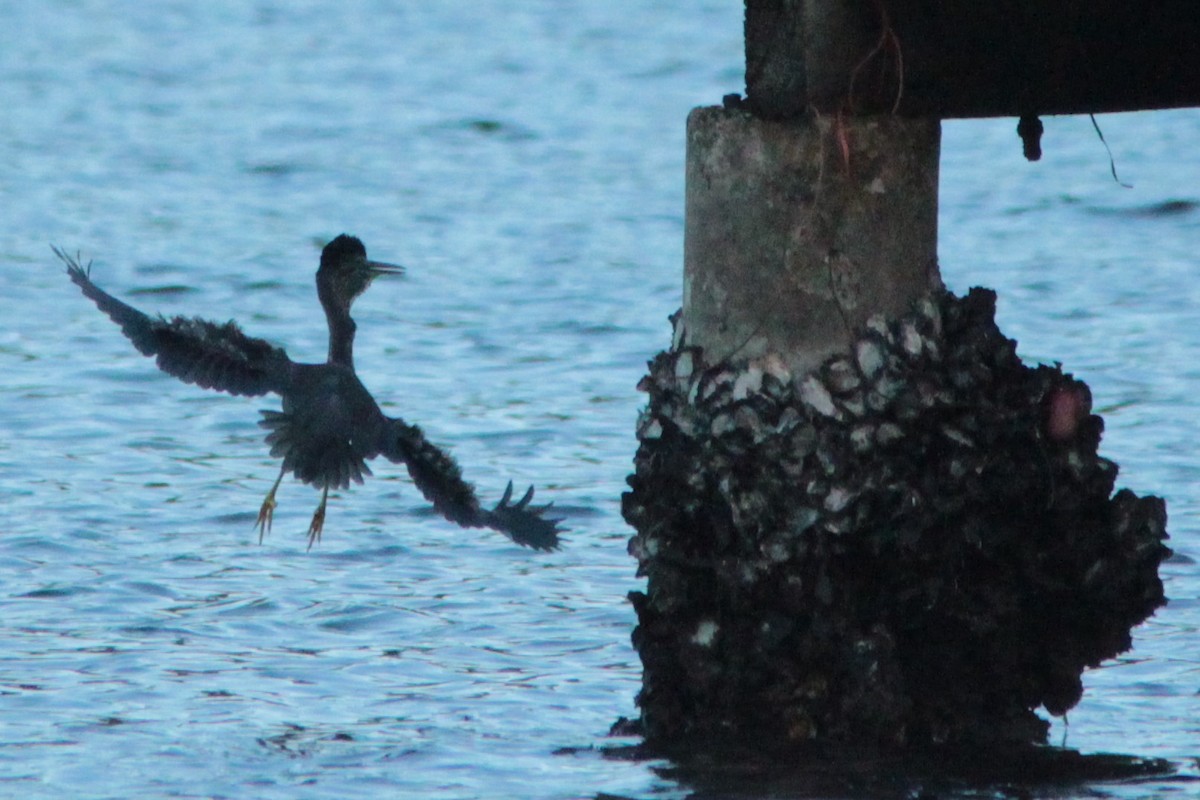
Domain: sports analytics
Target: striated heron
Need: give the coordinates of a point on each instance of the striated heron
(330, 424)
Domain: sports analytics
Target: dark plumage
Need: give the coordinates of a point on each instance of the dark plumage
(330, 425)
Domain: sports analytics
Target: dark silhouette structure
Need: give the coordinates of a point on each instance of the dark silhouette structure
(330, 424)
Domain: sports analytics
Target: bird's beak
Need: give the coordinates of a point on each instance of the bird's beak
(377, 268)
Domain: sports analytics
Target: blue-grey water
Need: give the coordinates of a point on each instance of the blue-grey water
(525, 161)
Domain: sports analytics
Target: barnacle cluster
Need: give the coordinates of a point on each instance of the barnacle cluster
(916, 543)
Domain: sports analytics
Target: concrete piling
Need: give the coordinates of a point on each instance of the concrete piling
(862, 518)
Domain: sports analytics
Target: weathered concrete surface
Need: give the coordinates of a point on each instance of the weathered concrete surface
(799, 231)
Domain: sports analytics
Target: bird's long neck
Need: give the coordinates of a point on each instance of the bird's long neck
(341, 337)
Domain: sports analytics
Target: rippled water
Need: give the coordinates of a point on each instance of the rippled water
(525, 161)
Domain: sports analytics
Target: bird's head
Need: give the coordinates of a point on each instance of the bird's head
(345, 272)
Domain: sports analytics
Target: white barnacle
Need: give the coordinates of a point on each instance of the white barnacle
(775, 366)
(955, 435)
(931, 312)
(861, 438)
(678, 331)
(870, 358)
(888, 433)
(788, 419)
(722, 424)
(705, 633)
(910, 338)
(854, 405)
(649, 428)
(711, 383)
(686, 423)
(748, 382)
(777, 552)
(838, 526)
(878, 324)
(876, 401)
(817, 397)
(889, 388)
(838, 498)
(683, 366)
(802, 519)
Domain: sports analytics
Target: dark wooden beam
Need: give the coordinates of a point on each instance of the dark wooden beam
(971, 58)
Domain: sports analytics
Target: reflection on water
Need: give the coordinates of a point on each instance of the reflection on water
(526, 163)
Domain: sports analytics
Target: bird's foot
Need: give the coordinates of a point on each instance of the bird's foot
(523, 522)
(266, 514)
(318, 524)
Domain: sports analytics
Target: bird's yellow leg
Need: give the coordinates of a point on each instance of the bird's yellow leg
(318, 520)
(267, 512)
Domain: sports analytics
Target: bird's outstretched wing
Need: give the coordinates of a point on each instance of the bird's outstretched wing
(197, 351)
(440, 480)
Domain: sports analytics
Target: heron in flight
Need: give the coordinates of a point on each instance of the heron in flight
(329, 425)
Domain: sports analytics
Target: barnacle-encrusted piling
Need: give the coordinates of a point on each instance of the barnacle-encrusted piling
(916, 543)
